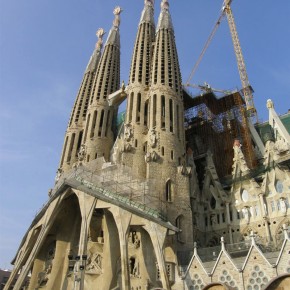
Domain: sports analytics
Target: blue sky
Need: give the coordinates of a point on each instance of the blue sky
(45, 46)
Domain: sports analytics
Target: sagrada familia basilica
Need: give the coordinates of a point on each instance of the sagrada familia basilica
(179, 192)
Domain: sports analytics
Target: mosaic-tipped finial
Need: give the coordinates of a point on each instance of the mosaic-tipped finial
(100, 33)
(117, 11)
(165, 4)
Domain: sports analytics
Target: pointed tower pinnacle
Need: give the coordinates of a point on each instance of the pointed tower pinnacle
(98, 133)
(92, 65)
(166, 140)
(164, 20)
(136, 124)
(74, 133)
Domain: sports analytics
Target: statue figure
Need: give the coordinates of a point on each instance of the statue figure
(58, 175)
(153, 138)
(82, 152)
(147, 157)
(246, 214)
(213, 219)
(44, 276)
(127, 132)
(154, 156)
(283, 205)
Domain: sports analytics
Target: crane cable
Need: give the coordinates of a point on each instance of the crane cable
(205, 47)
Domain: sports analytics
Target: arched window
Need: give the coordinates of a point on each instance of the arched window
(131, 106)
(279, 186)
(94, 124)
(64, 151)
(146, 113)
(162, 111)
(72, 140)
(171, 115)
(138, 111)
(87, 127)
(180, 224)
(101, 123)
(168, 191)
(154, 111)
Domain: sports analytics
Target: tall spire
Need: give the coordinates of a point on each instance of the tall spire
(114, 36)
(148, 12)
(166, 141)
(142, 55)
(95, 58)
(98, 134)
(74, 133)
(137, 91)
(166, 70)
(164, 20)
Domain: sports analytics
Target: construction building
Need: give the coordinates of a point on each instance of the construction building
(182, 193)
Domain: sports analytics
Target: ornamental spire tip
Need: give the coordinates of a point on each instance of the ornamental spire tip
(117, 11)
(165, 4)
(149, 2)
(100, 33)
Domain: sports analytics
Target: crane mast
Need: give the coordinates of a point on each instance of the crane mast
(246, 88)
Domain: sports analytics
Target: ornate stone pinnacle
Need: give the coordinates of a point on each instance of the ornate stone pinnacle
(270, 104)
(100, 33)
(165, 4)
(117, 11)
(149, 2)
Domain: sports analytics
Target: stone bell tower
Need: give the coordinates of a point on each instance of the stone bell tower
(74, 132)
(165, 155)
(137, 118)
(98, 133)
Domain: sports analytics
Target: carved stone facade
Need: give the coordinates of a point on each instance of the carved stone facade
(134, 210)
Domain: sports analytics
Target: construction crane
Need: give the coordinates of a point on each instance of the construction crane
(207, 88)
(246, 88)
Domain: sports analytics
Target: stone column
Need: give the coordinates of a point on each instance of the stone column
(48, 219)
(87, 206)
(229, 222)
(158, 234)
(264, 213)
(123, 220)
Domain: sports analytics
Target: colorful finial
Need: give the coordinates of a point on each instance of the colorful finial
(165, 4)
(117, 11)
(100, 33)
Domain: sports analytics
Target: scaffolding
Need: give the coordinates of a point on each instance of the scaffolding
(117, 184)
(212, 124)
